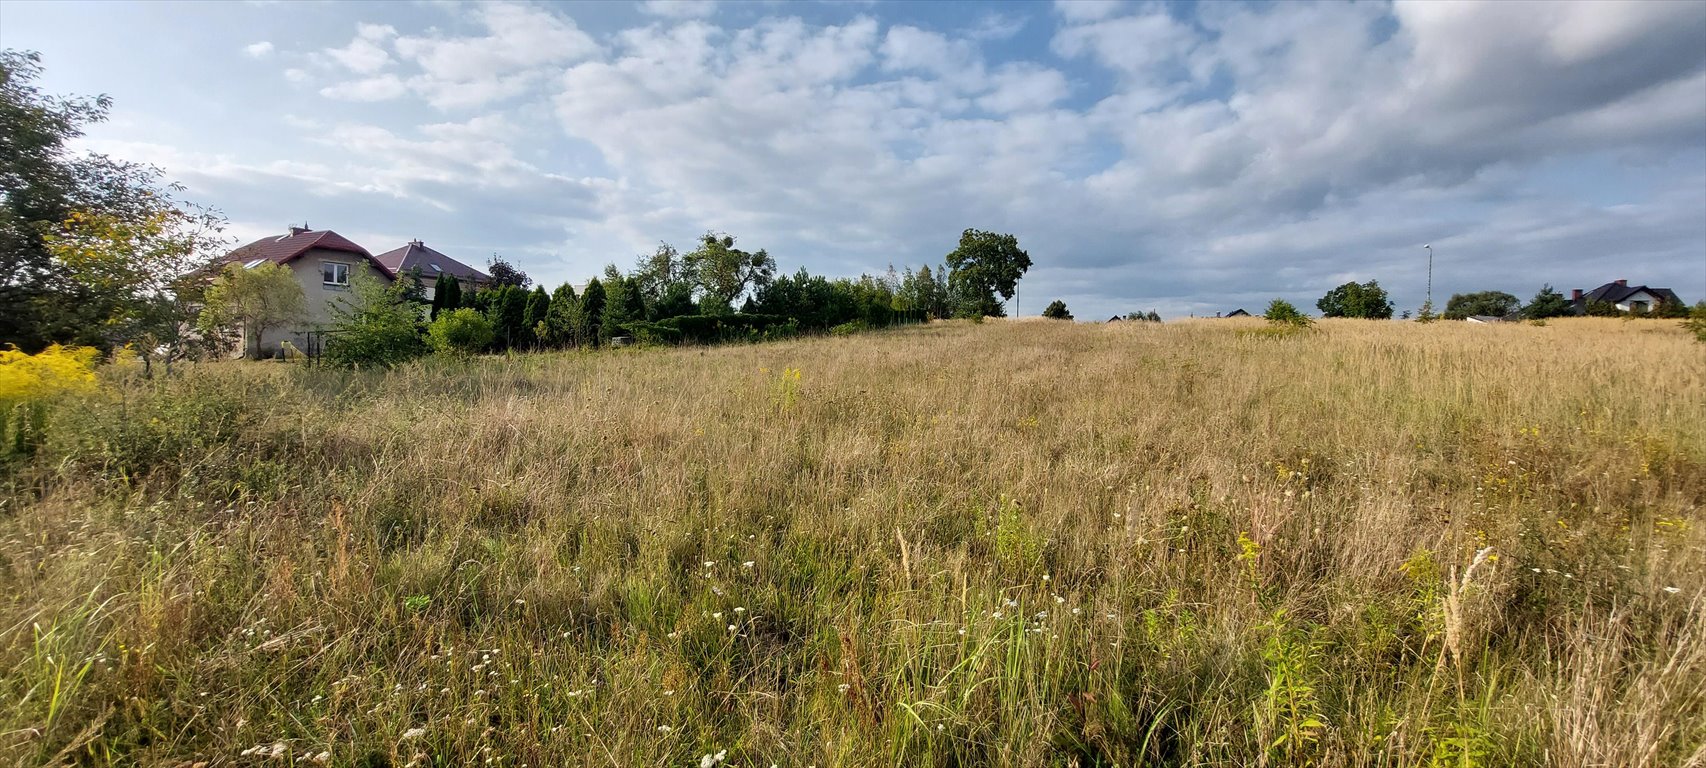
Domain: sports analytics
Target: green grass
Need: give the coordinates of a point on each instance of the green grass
(992, 544)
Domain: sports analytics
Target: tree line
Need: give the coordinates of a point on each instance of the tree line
(716, 292)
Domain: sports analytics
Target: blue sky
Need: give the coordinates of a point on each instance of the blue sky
(1188, 158)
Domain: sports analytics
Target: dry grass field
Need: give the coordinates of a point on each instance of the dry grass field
(1008, 544)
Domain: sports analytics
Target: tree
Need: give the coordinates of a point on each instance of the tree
(460, 332)
(1696, 322)
(623, 306)
(1056, 310)
(922, 291)
(1367, 301)
(985, 264)
(1670, 310)
(505, 273)
(1153, 316)
(375, 324)
(1546, 303)
(1493, 303)
(446, 296)
(589, 316)
(724, 273)
(253, 301)
(452, 292)
(111, 211)
(149, 274)
(533, 316)
(559, 317)
(1281, 312)
(506, 308)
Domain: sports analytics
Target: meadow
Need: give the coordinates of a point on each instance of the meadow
(1007, 543)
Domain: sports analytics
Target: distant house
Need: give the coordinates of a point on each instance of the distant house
(1116, 319)
(1484, 319)
(1237, 313)
(1625, 297)
(324, 262)
(431, 264)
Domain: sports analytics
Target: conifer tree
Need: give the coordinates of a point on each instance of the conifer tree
(590, 315)
(452, 295)
(560, 317)
(533, 316)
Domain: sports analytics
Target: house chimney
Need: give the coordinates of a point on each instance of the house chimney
(295, 230)
(1576, 295)
(1624, 283)
(416, 242)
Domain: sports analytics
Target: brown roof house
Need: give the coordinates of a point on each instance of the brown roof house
(428, 265)
(324, 263)
(1638, 299)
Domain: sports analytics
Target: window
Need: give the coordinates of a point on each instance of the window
(1638, 307)
(334, 273)
(254, 263)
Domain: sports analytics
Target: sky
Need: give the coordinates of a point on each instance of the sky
(1180, 157)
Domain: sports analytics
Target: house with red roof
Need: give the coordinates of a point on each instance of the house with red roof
(429, 265)
(324, 262)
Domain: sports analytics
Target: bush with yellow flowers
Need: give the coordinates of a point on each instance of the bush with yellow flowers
(28, 381)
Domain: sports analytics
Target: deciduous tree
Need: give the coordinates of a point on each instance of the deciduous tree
(505, 273)
(1365, 300)
(724, 273)
(105, 212)
(1493, 303)
(252, 301)
(984, 266)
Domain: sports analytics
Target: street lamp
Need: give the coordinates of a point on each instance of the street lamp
(1430, 301)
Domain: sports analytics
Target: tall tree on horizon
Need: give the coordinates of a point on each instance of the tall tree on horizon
(984, 266)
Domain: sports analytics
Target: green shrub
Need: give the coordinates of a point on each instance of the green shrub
(379, 326)
(1696, 322)
(1281, 312)
(460, 332)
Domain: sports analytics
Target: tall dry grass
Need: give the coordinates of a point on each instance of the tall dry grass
(1004, 544)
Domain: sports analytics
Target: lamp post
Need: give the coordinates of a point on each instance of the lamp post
(1430, 301)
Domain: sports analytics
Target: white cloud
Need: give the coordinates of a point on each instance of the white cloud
(1024, 87)
(258, 50)
(362, 56)
(521, 46)
(520, 40)
(381, 88)
(679, 9)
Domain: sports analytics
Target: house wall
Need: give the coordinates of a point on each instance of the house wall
(319, 297)
(1628, 303)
